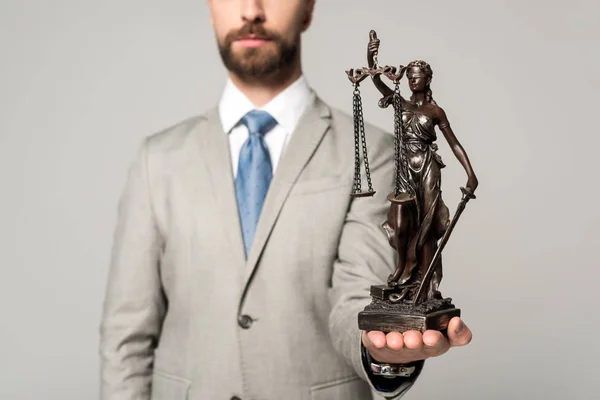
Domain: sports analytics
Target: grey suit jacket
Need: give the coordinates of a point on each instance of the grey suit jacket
(187, 317)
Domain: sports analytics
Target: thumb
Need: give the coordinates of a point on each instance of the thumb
(459, 333)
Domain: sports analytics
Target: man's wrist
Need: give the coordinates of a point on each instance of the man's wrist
(389, 370)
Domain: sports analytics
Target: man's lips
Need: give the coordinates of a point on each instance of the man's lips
(252, 41)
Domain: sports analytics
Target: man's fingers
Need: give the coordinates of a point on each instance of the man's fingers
(432, 338)
(434, 343)
(458, 333)
(395, 340)
(431, 343)
(374, 339)
(413, 340)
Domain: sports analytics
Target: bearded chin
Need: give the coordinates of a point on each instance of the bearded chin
(256, 62)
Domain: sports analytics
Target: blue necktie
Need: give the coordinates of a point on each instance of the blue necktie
(254, 173)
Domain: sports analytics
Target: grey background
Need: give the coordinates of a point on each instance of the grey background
(81, 82)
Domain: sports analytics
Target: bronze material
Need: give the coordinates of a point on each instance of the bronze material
(467, 195)
(359, 136)
(418, 223)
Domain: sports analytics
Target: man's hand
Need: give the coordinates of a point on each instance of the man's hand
(398, 348)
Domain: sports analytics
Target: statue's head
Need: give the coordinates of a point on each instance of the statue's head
(419, 75)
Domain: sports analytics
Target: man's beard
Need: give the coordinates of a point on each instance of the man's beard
(258, 62)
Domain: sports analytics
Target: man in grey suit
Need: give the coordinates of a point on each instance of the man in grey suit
(240, 262)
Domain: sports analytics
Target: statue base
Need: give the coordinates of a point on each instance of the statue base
(387, 316)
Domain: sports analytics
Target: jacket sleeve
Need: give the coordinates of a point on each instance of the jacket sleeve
(365, 258)
(134, 304)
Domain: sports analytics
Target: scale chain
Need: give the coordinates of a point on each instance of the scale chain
(364, 142)
(357, 177)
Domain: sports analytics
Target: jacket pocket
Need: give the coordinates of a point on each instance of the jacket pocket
(169, 387)
(351, 388)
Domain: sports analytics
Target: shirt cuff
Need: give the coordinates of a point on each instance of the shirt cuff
(385, 384)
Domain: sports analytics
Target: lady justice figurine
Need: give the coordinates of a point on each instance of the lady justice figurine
(418, 224)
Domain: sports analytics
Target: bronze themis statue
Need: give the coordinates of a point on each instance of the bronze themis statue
(418, 224)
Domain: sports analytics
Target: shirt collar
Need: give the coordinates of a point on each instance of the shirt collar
(287, 107)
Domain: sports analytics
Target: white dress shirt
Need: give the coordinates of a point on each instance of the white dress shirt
(286, 108)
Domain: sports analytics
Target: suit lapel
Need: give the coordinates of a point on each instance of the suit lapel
(303, 143)
(215, 151)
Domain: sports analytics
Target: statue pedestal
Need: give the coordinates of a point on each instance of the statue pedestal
(387, 316)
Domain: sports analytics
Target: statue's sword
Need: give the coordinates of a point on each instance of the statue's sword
(467, 195)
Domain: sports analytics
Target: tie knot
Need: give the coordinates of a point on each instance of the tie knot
(258, 122)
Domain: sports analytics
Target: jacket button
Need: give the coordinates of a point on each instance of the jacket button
(245, 321)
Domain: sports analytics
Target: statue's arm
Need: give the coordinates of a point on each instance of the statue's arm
(457, 149)
(372, 50)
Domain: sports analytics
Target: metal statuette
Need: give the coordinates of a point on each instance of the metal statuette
(418, 224)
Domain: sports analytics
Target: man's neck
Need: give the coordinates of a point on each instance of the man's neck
(262, 90)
